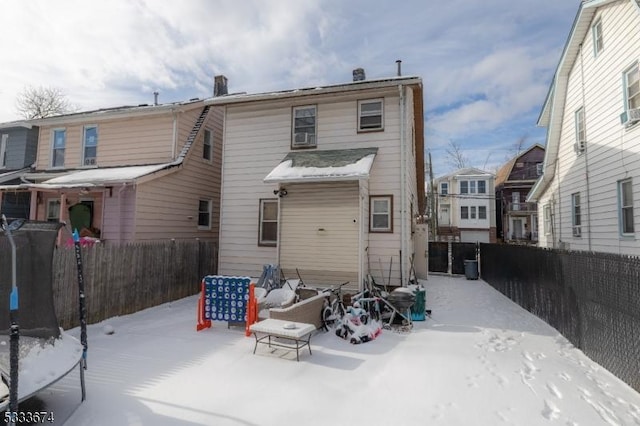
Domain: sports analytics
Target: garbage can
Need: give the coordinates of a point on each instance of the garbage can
(471, 269)
(418, 308)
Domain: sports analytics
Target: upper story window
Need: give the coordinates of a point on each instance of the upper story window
(464, 212)
(370, 115)
(90, 142)
(206, 151)
(304, 127)
(539, 168)
(581, 130)
(482, 187)
(53, 210)
(473, 186)
(482, 212)
(3, 150)
(444, 188)
(625, 206)
(631, 91)
(596, 31)
(58, 146)
(576, 217)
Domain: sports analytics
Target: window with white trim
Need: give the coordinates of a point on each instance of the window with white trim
(370, 115)
(4, 139)
(473, 186)
(304, 127)
(53, 210)
(208, 143)
(631, 82)
(482, 212)
(472, 212)
(576, 217)
(596, 31)
(380, 213)
(464, 212)
(482, 187)
(625, 206)
(444, 188)
(581, 141)
(204, 214)
(90, 142)
(58, 146)
(539, 168)
(268, 222)
(547, 219)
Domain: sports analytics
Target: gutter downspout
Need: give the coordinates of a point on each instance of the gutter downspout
(403, 195)
(360, 236)
(221, 197)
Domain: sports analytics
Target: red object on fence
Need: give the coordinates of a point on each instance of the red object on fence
(202, 322)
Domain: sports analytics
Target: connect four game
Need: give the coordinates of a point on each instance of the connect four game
(227, 299)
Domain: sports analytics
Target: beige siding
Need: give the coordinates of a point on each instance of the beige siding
(144, 140)
(319, 232)
(167, 207)
(258, 136)
(613, 152)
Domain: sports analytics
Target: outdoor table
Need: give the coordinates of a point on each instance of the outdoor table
(297, 332)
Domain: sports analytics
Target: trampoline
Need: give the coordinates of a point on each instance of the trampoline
(45, 352)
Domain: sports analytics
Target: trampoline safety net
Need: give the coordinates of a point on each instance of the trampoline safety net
(35, 242)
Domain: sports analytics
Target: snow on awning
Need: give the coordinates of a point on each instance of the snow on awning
(98, 177)
(329, 165)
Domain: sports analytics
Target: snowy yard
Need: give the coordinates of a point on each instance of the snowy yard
(479, 360)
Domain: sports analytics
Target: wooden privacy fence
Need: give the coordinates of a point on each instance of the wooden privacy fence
(122, 279)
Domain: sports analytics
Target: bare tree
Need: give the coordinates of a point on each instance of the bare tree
(455, 156)
(518, 146)
(42, 102)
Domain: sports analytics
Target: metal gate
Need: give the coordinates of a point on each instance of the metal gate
(461, 252)
(438, 256)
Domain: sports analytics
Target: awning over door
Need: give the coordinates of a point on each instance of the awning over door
(328, 165)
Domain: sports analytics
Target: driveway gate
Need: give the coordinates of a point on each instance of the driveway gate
(438, 256)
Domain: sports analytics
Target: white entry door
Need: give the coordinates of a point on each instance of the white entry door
(445, 215)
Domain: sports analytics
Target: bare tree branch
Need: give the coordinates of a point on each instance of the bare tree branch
(42, 102)
(455, 156)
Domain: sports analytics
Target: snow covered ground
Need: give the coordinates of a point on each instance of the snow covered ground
(479, 360)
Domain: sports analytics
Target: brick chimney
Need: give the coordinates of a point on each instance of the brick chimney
(220, 85)
(358, 74)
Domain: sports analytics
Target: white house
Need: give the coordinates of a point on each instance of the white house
(466, 206)
(588, 191)
(326, 180)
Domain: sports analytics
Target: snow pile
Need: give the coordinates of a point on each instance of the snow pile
(286, 171)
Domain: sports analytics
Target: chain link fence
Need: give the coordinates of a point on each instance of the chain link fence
(593, 299)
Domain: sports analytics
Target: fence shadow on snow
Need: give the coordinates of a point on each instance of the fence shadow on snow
(593, 299)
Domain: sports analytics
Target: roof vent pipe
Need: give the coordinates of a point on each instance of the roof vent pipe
(155, 98)
(399, 62)
(358, 74)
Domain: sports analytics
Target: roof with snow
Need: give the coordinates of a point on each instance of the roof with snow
(328, 165)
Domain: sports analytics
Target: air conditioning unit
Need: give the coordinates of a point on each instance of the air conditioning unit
(630, 117)
(304, 139)
(90, 161)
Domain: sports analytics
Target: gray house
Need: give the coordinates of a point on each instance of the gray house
(18, 147)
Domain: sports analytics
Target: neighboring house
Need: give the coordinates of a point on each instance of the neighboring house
(589, 190)
(324, 180)
(466, 206)
(18, 146)
(516, 219)
(125, 174)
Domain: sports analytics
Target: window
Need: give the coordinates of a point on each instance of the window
(464, 212)
(472, 212)
(206, 151)
(539, 168)
(204, 214)
(575, 215)
(3, 150)
(625, 197)
(632, 88)
(380, 213)
(90, 145)
(482, 187)
(444, 188)
(304, 127)
(547, 219)
(464, 187)
(596, 31)
(59, 143)
(370, 116)
(268, 232)
(53, 210)
(482, 212)
(581, 142)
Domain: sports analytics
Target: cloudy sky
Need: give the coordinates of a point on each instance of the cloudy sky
(486, 65)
